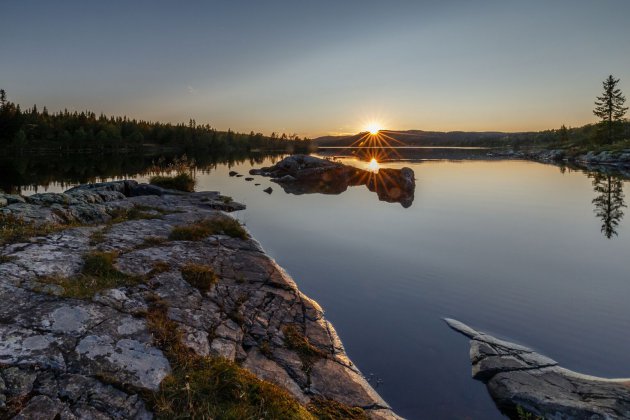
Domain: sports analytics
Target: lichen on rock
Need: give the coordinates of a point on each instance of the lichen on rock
(97, 354)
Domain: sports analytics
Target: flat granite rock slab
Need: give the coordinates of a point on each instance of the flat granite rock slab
(519, 378)
(91, 358)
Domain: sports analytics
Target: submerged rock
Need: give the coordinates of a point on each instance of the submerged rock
(303, 174)
(519, 379)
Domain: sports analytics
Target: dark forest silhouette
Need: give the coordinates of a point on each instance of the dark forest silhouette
(70, 132)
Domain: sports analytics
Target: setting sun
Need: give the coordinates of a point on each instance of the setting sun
(373, 127)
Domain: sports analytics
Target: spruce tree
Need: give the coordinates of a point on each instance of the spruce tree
(609, 107)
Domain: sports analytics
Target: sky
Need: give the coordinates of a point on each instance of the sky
(319, 67)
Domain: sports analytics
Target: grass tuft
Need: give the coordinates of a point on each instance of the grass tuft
(523, 414)
(200, 276)
(181, 182)
(200, 230)
(208, 387)
(151, 241)
(14, 229)
(295, 340)
(97, 237)
(134, 213)
(6, 258)
(325, 409)
(98, 273)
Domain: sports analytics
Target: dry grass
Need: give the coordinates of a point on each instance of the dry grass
(325, 409)
(211, 388)
(200, 230)
(151, 241)
(295, 340)
(134, 213)
(6, 258)
(98, 274)
(14, 229)
(200, 276)
(181, 182)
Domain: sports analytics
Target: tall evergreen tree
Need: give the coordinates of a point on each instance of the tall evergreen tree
(563, 134)
(609, 107)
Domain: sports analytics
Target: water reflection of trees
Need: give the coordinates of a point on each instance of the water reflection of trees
(32, 171)
(609, 201)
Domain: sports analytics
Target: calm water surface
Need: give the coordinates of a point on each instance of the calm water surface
(512, 248)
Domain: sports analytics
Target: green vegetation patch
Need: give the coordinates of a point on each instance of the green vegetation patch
(14, 229)
(200, 230)
(98, 273)
(295, 340)
(98, 237)
(151, 241)
(6, 258)
(200, 276)
(207, 387)
(135, 213)
(523, 414)
(181, 182)
(325, 409)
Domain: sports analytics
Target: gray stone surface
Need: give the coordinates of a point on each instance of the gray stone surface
(88, 358)
(517, 376)
(304, 174)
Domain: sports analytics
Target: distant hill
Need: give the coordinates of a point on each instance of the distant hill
(586, 137)
(438, 138)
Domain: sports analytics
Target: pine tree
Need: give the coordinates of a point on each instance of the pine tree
(609, 107)
(563, 134)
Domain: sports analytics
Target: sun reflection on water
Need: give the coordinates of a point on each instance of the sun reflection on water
(373, 166)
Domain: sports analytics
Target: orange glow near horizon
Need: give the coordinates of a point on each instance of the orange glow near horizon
(373, 127)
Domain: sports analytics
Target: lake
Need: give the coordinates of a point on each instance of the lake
(512, 248)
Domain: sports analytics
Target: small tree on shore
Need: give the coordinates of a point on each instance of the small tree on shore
(609, 107)
(563, 134)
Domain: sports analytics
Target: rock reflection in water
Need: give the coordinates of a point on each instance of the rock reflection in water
(301, 174)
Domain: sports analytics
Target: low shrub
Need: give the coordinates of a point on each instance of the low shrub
(200, 276)
(204, 228)
(181, 182)
(295, 340)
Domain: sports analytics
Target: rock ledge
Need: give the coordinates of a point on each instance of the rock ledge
(517, 376)
(67, 358)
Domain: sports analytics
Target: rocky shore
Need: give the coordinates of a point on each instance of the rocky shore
(303, 174)
(528, 385)
(601, 162)
(97, 281)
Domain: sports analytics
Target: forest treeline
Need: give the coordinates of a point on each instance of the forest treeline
(590, 137)
(612, 132)
(33, 129)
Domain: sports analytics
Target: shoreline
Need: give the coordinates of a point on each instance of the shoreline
(58, 336)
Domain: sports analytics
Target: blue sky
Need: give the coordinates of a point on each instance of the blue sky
(318, 67)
